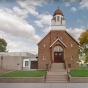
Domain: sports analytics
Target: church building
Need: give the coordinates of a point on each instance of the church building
(58, 45)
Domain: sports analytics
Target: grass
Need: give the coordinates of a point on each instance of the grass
(82, 72)
(37, 73)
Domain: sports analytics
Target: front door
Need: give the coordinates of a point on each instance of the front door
(58, 57)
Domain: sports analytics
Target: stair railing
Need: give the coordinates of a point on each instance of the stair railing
(50, 63)
(48, 67)
(67, 68)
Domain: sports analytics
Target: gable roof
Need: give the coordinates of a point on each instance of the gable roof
(65, 31)
(72, 37)
(43, 37)
(56, 41)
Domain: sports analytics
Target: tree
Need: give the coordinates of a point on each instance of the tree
(84, 44)
(3, 45)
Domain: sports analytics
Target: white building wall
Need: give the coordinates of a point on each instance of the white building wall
(17, 53)
(58, 27)
(63, 22)
(52, 22)
(33, 59)
(58, 23)
(23, 54)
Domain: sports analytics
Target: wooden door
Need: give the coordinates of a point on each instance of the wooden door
(58, 57)
(34, 64)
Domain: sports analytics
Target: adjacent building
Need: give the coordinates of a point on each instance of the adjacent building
(18, 61)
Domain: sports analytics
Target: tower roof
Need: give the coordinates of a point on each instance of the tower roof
(58, 11)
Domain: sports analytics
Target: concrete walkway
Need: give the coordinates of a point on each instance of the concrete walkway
(43, 85)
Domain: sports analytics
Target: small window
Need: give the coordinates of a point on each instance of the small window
(61, 38)
(54, 38)
(26, 63)
(56, 54)
(71, 45)
(60, 54)
(44, 45)
(72, 58)
(69, 65)
(44, 57)
(57, 18)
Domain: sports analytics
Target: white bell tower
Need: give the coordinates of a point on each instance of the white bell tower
(58, 21)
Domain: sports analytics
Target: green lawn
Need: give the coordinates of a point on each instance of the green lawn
(82, 72)
(37, 73)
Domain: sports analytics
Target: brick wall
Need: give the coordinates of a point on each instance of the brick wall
(49, 53)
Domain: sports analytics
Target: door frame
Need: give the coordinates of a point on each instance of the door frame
(58, 57)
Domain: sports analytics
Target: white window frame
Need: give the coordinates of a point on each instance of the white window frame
(72, 57)
(71, 45)
(44, 57)
(44, 45)
(58, 18)
(54, 38)
(61, 38)
(24, 60)
(27, 65)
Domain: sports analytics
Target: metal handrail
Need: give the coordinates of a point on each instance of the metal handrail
(51, 61)
(48, 67)
(66, 67)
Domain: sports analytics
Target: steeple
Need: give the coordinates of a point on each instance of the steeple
(58, 20)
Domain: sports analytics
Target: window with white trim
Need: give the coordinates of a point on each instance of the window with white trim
(57, 18)
(44, 45)
(26, 63)
(54, 38)
(44, 57)
(72, 58)
(71, 45)
(61, 38)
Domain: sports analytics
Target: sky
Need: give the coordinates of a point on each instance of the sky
(23, 23)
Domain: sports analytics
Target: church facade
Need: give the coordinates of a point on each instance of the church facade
(58, 45)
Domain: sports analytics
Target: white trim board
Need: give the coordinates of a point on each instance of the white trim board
(56, 41)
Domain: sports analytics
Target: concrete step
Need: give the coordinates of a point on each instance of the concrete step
(56, 80)
(60, 81)
(58, 70)
(56, 73)
(57, 77)
(57, 64)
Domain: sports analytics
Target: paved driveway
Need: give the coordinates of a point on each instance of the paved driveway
(43, 85)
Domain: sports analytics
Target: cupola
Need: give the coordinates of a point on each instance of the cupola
(58, 11)
(58, 20)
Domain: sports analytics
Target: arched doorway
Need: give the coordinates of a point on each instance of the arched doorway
(58, 54)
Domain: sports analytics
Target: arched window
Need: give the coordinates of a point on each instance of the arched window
(57, 18)
(58, 49)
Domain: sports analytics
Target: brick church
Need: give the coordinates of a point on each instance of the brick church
(58, 45)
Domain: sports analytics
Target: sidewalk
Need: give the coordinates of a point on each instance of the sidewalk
(43, 85)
